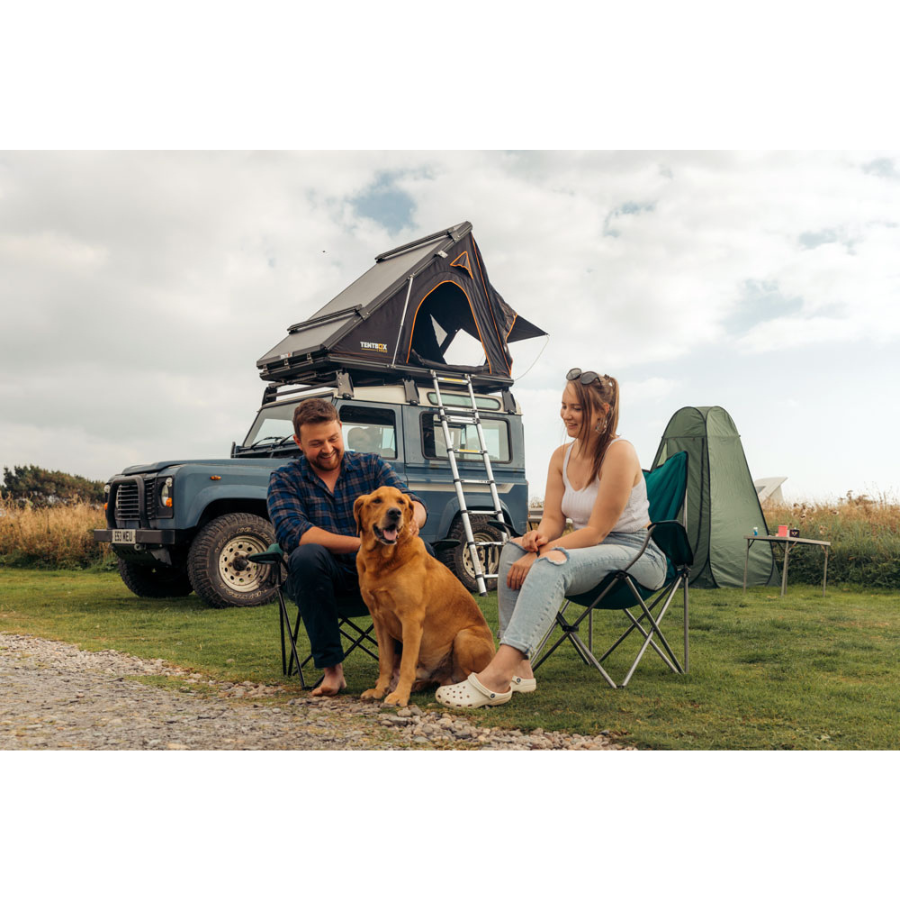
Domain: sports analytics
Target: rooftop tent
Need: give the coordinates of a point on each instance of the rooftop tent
(722, 502)
(769, 489)
(404, 314)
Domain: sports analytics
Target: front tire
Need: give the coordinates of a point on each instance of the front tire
(459, 561)
(154, 581)
(217, 564)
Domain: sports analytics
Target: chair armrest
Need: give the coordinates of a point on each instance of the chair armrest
(445, 544)
(671, 537)
(503, 526)
(274, 554)
(640, 552)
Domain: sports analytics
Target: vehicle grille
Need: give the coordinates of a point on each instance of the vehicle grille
(128, 502)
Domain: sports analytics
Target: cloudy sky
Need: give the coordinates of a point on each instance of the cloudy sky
(138, 290)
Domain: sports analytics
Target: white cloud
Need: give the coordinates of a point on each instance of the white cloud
(139, 289)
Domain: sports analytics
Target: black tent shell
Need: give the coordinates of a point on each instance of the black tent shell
(402, 315)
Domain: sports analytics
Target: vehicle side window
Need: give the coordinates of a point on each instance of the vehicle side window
(465, 439)
(369, 430)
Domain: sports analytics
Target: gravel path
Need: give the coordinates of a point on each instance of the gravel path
(55, 696)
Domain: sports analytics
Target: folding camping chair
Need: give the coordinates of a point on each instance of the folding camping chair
(666, 488)
(348, 609)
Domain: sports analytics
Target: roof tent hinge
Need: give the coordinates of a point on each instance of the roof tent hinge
(442, 253)
(337, 314)
(344, 385)
(509, 402)
(455, 232)
(412, 392)
(270, 392)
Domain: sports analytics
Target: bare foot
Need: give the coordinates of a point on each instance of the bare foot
(332, 682)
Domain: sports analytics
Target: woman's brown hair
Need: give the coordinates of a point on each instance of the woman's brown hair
(591, 398)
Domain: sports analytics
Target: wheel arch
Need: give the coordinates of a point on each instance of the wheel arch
(227, 505)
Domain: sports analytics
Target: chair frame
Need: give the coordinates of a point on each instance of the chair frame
(289, 662)
(646, 623)
(290, 657)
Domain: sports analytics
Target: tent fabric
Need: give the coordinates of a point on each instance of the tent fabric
(722, 503)
(405, 311)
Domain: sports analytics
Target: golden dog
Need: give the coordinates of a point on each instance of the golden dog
(414, 599)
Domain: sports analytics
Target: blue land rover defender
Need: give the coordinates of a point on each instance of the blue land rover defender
(374, 352)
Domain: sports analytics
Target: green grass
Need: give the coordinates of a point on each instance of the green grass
(800, 672)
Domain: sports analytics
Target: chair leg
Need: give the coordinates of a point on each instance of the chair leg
(589, 658)
(357, 640)
(648, 638)
(676, 667)
(655, 627)
(287, 665)
(570, 633)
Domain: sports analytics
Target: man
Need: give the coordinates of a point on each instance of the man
(311, 506)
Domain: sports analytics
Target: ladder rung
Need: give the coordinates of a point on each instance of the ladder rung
(449, 376)
(461, 420)
(475, 481)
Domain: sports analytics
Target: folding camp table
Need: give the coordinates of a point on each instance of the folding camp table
(788, 543)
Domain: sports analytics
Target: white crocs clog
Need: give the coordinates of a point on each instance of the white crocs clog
(470, 694)
(523, 685)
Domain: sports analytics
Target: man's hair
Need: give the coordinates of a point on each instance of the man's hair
(313, 411)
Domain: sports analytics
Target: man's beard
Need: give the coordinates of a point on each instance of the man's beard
(330, 464)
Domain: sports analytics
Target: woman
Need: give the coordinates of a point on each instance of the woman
(597, 482)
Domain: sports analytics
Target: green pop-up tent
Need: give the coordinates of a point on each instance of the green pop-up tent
(722, 503)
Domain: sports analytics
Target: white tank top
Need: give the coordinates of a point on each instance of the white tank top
(577, 505)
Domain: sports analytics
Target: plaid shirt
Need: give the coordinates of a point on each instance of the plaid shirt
(298, 499)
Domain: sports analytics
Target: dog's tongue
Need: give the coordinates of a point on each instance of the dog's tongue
(390, 534)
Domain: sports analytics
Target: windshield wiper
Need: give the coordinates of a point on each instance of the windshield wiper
(266, 442)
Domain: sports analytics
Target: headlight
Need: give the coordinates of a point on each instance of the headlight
(165, 494)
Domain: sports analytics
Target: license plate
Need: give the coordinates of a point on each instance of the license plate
(123, 536)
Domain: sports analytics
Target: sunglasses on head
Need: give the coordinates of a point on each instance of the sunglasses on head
(583, 377)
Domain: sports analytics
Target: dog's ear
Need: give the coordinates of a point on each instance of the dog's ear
(357, 509)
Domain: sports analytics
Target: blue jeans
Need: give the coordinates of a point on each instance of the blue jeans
(527, 614)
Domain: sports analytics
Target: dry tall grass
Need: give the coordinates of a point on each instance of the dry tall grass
(877, 514)
(864, 535)
(57, 537)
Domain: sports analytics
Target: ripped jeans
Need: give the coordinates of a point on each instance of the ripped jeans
(527, 614)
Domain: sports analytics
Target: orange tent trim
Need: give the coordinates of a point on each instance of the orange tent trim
(474, 319)
(465, 264)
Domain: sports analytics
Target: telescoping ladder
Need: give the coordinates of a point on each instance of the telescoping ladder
(466, 416)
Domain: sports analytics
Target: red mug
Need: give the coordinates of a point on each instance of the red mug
(782, 531)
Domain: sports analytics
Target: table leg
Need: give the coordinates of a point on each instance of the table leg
(825, 573)
(787, 551)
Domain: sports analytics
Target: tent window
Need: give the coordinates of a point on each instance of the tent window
(445, 331)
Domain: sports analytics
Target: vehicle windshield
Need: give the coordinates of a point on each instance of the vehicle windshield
(273, 425)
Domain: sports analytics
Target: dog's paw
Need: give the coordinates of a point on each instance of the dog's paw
(397, 699)
(372, 694)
